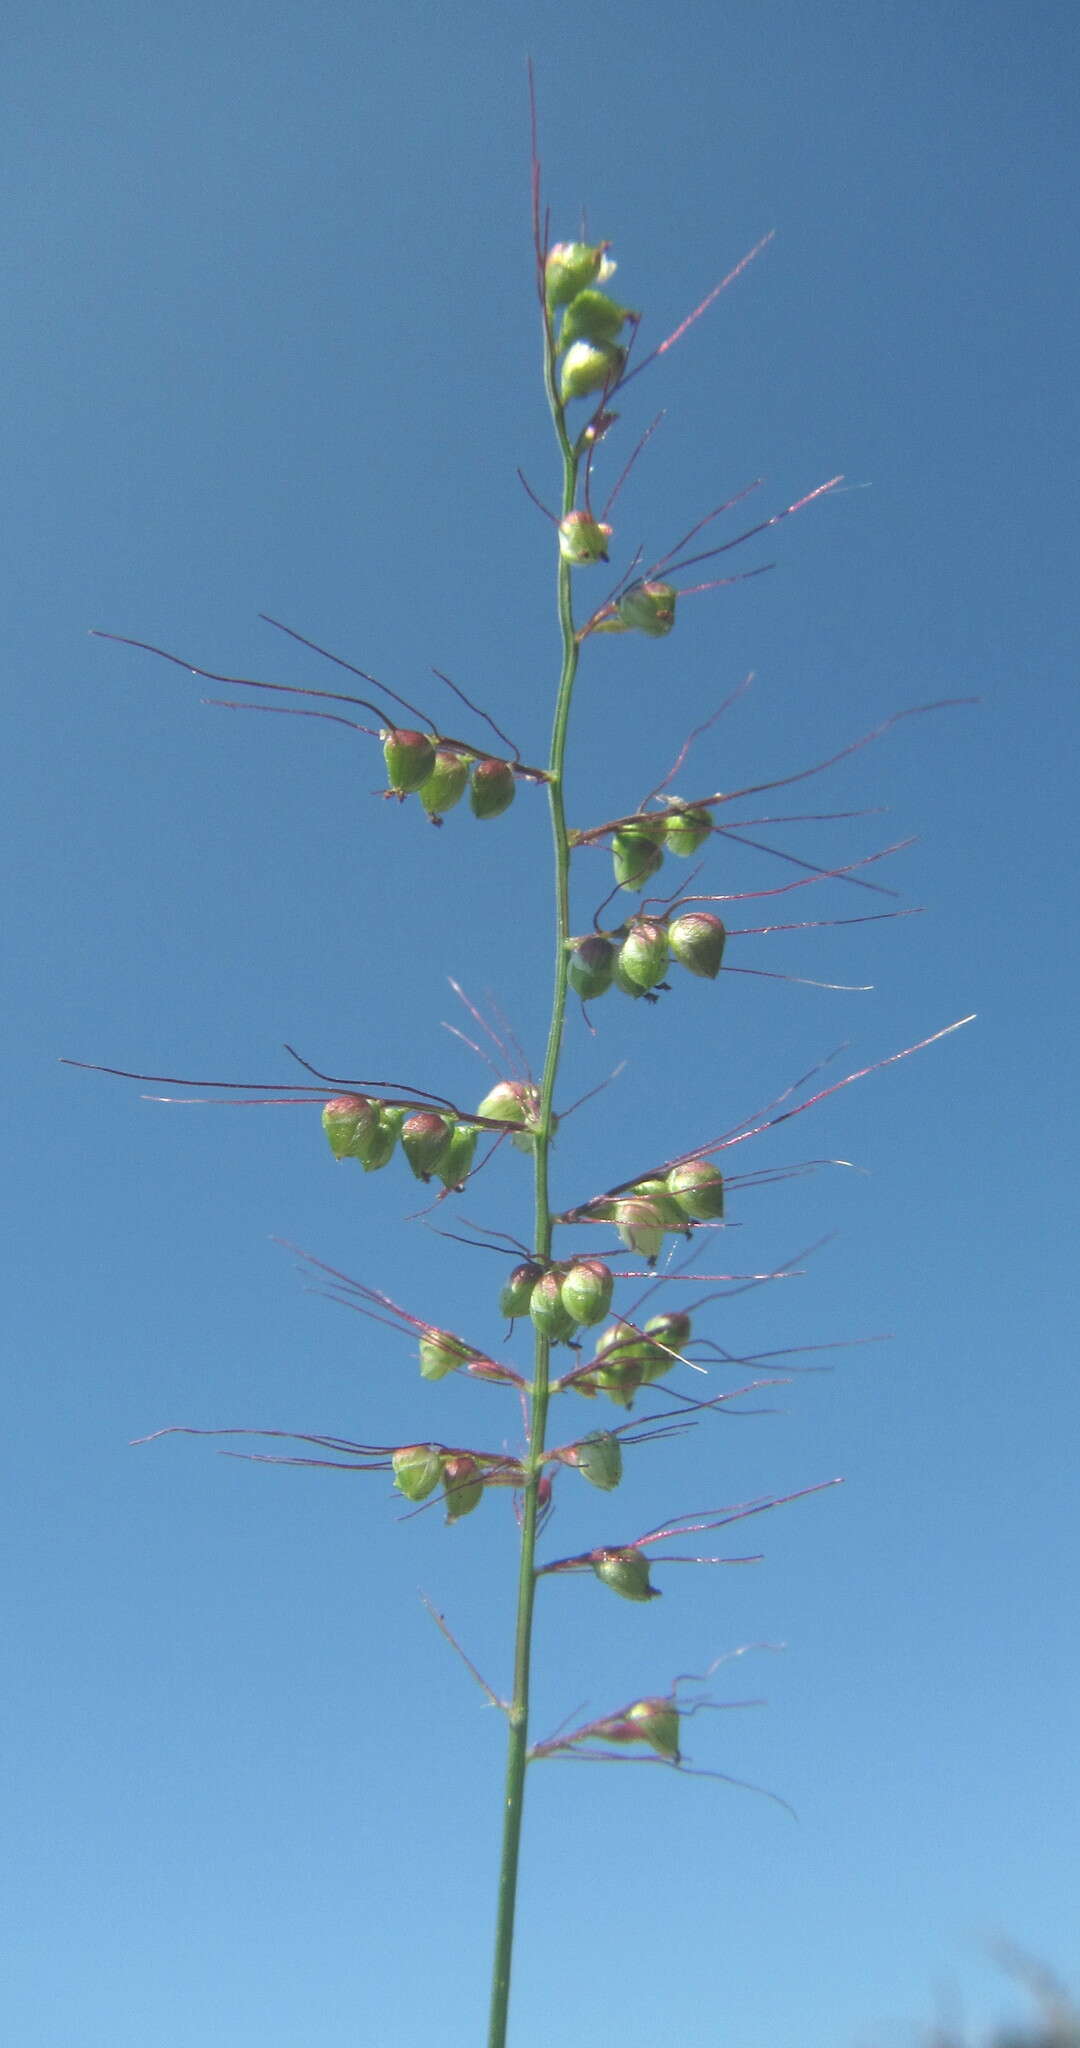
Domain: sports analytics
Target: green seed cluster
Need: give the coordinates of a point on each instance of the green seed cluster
(691, 1192)
(419, 1468)
(638, 847)
(627, 1358)
(417, 763)
(635, 957)
(589, 321)
(360, 1127)
(560, 1299)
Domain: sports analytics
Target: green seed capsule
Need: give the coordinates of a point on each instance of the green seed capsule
(590, 366)
(583, 539)
(417, 1470)
(463, 1485)
(513, 1102)
(445, 786)
(593, 316)
(409, 757)
(686, 830)
(592, 964)
(627, 1573)
(636, 856)
(350, 1123)
(455, 1165)
(586, 1291)
(621, 980)
(643, 955)
(698, 1188)
(620, 1364)
(381, 1147)
(425, 1141)
(640, 1227)
(697, 941)
(569, 267)
(517, 1291)
(657, 1723)
(493, 790)
(548, 1311)
(599, 1459)
(667, 1209)
(440, 1353)
(647, 608)
(667, 1335)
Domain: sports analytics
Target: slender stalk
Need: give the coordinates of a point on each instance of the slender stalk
(517, 1744)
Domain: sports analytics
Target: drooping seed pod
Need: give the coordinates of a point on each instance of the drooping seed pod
(647, 608)
(698, 1188)
(590, 366)
(643, 955)
(627, 1573)
(493, 788)
(593, 316)
(350, 1121)
(583, 539)
(620, 1364)
(697, 941)
(586, 1291)
(657, 1723)
(599, 1459)
(445, 786)
(417, 1470)
(409, 757)
(455, 1165)
(636, 855)
(425, 1141)
(640, 1227)
(463, 1485)
(626, 987)
(591, 967)
(570, 267)
(663, 1202)
(685, 829)
(384, 1139)
(441, 1352)
(517, 1290)
(514, 1102)
(548, 1311)
(667, 1335)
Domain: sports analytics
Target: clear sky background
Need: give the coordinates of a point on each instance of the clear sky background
(271, 346)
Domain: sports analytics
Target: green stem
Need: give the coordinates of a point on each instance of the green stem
(517, 1745)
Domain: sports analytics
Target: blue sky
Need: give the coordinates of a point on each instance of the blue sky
(271, 348)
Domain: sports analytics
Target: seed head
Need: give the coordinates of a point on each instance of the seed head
(593, 316)
(697, 941)
(493, 788)
(590, 366)
(647, 608)
(463, 1485)
(697, 1187)
(591, 966)
(643, 955)
(417, 1470)
(445, 786)
(685, 830)
(583, 539)
(350, 1121)
(425, 1141)
(586, 1291)
(409, 757)
(599, 1459)
(627, 1573)
(657, 1723)
(570, 267)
